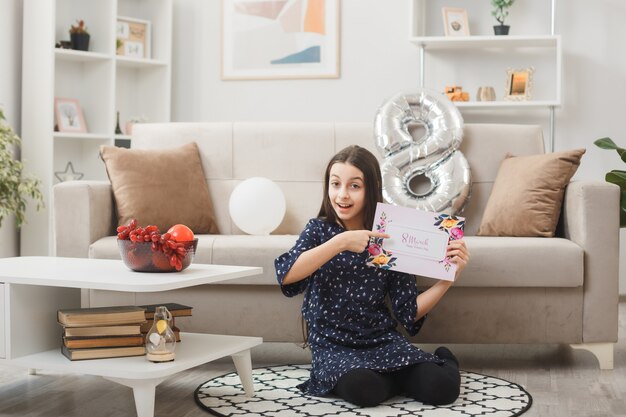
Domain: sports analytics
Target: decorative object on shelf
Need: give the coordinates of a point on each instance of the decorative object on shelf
(519, 84)
(133, 37)
(280, 39)
(486, 93)
(426, 172)
(63, 45)
(69, 116)
(617, 177)
(456, 93)
(128, 128)
(79, 36)
(455, 21)
(257, 206)
(160, 340)
(500, 12)
(69, 174)
(118, 129)
(16, 187)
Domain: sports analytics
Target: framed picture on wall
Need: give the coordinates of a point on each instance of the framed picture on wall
(455, 21)
(280, 40)
(519, 84)
(133, 38)
(69, 116)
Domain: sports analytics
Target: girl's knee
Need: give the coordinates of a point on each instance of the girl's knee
(363, 387)
(444, 391)
(430, 384)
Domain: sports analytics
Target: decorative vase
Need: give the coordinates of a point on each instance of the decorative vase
(486, 94)
(80, 41)
(501, 29)
(161, 340)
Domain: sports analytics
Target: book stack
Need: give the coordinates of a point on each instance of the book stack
(175, 309)
(102, 332)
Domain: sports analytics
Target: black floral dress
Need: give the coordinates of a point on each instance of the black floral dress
(344, 305)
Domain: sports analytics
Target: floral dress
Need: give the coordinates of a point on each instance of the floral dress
(350, 325)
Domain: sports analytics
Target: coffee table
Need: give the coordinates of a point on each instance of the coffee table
(36, 287)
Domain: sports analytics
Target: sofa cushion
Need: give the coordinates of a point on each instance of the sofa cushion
(161, 187)
(242, 250)
(520, 262)
(527, 194)
(496, 261)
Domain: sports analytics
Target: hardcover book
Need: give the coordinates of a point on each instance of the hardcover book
(418, 241)
(101, 316)
(175, 309)
(106, 341)
(96, 331)
(102, 353)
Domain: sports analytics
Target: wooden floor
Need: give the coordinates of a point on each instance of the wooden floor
(562, 381)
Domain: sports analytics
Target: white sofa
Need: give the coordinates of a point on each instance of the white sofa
(515, 290)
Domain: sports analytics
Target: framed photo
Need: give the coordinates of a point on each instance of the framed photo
(519, 84)
(455, 21)
(69, 116)
(280, 40)
(133, 37)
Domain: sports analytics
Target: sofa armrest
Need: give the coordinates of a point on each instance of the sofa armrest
(591, 220)
(83, 213)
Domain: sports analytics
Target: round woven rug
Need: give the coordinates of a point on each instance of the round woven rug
(276, 395)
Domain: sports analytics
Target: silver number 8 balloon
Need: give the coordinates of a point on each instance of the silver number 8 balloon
(432, 162)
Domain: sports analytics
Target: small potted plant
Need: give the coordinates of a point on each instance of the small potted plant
(14, 188)
(500, 12)
(79, 36)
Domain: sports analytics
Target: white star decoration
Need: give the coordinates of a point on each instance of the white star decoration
(69, 174)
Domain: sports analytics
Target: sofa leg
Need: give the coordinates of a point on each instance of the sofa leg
(602, 351)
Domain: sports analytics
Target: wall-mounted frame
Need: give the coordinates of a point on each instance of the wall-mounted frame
(69, 116)
(133, 37)
(519, 84)
(280, 40)
(455, 21)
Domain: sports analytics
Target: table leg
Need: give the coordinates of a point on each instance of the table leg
(243, 364)
(143, 391)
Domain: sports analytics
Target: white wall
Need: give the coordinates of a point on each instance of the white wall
(10, 96)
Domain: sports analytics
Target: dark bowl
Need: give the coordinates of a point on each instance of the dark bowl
(139, 256)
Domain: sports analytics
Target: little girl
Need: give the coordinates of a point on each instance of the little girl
(357, 352)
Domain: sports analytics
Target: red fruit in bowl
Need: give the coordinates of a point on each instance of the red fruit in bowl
(181, 233)
(160, 261)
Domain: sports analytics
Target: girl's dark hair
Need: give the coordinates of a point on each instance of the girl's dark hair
(367, 163)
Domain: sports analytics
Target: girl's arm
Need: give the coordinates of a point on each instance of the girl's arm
(459, 255)
(312, 259)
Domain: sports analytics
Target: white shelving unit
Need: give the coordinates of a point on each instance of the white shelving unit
(103, 83)
(428, 39)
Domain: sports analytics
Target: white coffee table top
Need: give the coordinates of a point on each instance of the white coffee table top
(108, 274)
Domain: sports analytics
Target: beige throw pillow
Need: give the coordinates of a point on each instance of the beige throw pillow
(161, 187)
(528, 193)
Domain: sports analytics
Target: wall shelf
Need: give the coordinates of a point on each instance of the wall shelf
(82, 136)
(485, 42)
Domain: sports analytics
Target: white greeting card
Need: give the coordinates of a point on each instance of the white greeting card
(418, 241)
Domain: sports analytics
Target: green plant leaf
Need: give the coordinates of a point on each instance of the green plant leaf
(617, 177)
(607, 143)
